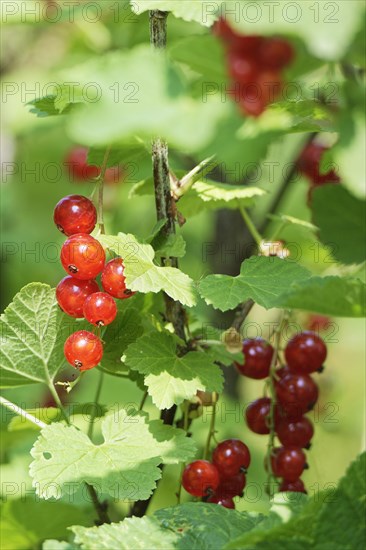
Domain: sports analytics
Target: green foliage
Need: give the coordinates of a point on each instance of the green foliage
(169, 378)
(339, 216)
(26, 523)
(31, 327)
(143, 275)
(261, 279)
(125, 465)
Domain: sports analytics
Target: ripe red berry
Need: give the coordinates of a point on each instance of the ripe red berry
(223, 30)
(83, 350)
(100, 309)
(257, 358)
(82, 256)
(71, 294)
(242, 69)
(75, 214)
(288, 462)
(222, 500)
(295, 433)
(79, 169)
(257, 415)
(231, 457)
(200, 478)
(296, 394)
(232, 486)
(294, 486)
(305, 353)
(114, 281)
(275, 53)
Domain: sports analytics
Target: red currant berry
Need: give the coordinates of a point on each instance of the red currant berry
(288, 462)
(83, 350)
(223, 30)
(100, 309)
(305, 353)
(82, 256)
(79, 169)
(114, 281)
(232, 486)
(242, 69)
(231, 457)
(222, 500)
(296, 394)
(200, 478)
(71, 294)
(295, 433)
(257, 358)
(293, 486)
(257, 415)
(75, 214)
(275, 53)
(247, 46)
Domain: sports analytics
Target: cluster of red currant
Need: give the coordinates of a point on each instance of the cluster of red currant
(78, 294)
(79, 169)
(255, 64)
(309, 165)
(222, 479)
(295, 395)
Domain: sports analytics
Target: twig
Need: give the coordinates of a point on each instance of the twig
(21, 412)
(101, 191)
(211, 432)
(95, 404)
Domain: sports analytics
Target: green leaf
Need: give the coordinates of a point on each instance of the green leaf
(203, 54)
(124, 466)
(171, 379)
(327, 29)
(194, 10)
(44, 106)
(125, 329)
(209, 191)
(129, 151)
(52, 544)
(335, 296)
(31, 326)
(261, 279)
(173, 246)
(340, 218)
(149, 101)
(290, 220)
(341, 521)
(26, 523)
(143, 275)
(192, 525)
(349, 153)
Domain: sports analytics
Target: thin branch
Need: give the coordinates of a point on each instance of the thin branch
(21, 412)
(95, 404)
(101, 191)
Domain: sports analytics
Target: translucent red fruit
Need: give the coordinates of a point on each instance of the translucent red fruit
(83, 350)
(114, 281)
(222, 500)
(305, 353)
(75, 214)
(295, 433)
(200, 478)
(82, 256)
(275, 53)
(294, 486)
(296, 394)
(231, 457)
(288, 462)
(100, 309)
(257, 358)
(71, 294)
(257, 415)
(232, 486)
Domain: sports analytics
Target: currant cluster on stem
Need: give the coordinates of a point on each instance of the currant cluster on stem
(309, 163)
(255, 64)
(296, 393)
(78, 294)
(79, 170)
(222, 479)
